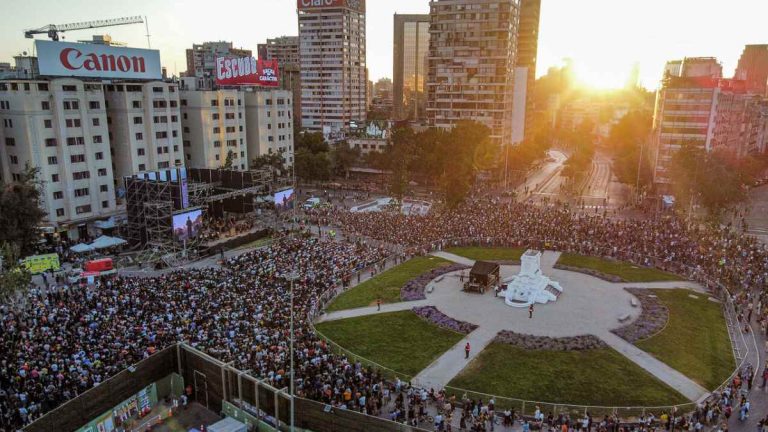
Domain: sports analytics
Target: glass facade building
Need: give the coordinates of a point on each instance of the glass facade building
(411, 46)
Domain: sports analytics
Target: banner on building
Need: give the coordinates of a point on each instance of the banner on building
(317, 4)
(246, 71)
(97, 61)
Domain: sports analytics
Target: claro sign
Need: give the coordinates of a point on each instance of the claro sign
(317, 4)
(97, 61)
(246, 71)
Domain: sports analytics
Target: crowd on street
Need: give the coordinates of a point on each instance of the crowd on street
(66, 338)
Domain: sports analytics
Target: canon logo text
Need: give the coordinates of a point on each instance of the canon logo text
(74, 59)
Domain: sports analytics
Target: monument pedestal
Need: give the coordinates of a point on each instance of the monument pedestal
(530, 285)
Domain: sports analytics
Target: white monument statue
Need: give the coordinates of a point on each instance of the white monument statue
(530, 286)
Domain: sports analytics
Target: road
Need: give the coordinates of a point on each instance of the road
(544, 182)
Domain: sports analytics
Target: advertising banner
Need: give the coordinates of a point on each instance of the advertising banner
(246, 71)
(97, 61)
(317, 4)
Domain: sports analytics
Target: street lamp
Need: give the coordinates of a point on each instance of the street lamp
(292, 276)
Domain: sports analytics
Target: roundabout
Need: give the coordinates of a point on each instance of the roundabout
(584, 336)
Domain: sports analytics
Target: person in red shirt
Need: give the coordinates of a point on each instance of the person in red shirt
(466, 351)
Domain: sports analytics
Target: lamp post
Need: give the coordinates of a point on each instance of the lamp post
(292, 277)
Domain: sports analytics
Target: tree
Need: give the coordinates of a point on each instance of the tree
(13, 277)
(228, 162)
(627, 140)
(312, 141)
(343, 158)
(274, 160)
(312, 166)
(20, 212)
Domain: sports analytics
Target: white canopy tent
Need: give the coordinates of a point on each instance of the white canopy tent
(104, 242)
(81, 248)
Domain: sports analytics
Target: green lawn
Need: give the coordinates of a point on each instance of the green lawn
(627, 271)
(594, 377)
(398, 340)
(488, 254)
(386, 285)
(695, 340)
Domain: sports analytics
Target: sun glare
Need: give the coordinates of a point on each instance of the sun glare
(599, 77)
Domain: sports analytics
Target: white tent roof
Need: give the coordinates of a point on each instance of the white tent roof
(80, 248)
(229, 424)
(106, 241)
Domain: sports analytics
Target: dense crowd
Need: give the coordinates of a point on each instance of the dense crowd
(67, 339)
(70, 338)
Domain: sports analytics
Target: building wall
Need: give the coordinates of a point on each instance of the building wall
(201, 60)
(753, 68)
(145, 127)
(213, 124)
(285, 50)
(269, 115)
(368, 145)
(411, 46)
(527, 52)
(333, 67)
(60, 126)
(471, 60)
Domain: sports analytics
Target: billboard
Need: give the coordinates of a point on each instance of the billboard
(317, 4)
(284, 199)
(188, 224)
(97, 61)
(246, 71)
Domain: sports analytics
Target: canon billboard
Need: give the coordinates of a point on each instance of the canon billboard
(246, 71)
(97, 61)
(317, 4)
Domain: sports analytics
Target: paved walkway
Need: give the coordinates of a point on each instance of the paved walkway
(453, 257)
(372, 310)
(758, 397)
(441, 371)
(659, 369)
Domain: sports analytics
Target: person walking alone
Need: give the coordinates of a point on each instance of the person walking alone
(530, 311)
(466, 351)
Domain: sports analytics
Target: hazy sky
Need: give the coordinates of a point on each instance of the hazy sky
(604, 37)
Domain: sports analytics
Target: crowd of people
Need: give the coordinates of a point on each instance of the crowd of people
(215, 229)
(66, 339)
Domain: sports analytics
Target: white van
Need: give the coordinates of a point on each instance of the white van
(311, 203)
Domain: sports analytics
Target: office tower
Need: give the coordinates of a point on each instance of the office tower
(411, 46)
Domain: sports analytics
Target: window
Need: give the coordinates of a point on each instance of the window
(157, 89)
(161, 134)
(77, 158)
(137, 104)
(215, 116)
(183, 102)
(175, 148)
(83, 209)
(45, 105)
(139, 136)
(140, 152)
(142, 167)
(217, 157)
(82, 192)
(229, 116)
(58, 195)
(163, 164)
(8, 123)
(159, 103)
(10, 141)
(72, 141)
(187, 143)
(52, 160)
(269, 101)
(214, 102)
(97, 139)
(47, 124)
(60, 212)
(230, 129)
(96, 122)
(81, 175)
(69, 88)
(138, 120)
(94, 105)
(217, 144)
(184, 116)
(216, 130)
(102, 172)
(99, 156)
(175, 133)
(105, 204)
(104, 188)
(174, 119)
(71, 105)
(54, 178)
(186, 129)
(159, 150)
(42, 87)
(14, 159)
(72, 122)
(232, 143)
(174, 104)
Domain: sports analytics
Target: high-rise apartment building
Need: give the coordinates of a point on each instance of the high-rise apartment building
(753, 68)
(201, 61)
(525, 69)
(60, 126)
(333, 66)
(411, 46)
(145, 126)
(471, 62)
(214, 130)
(269, 118)
(285, 50)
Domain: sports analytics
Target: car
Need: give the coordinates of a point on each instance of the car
(311, 203)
